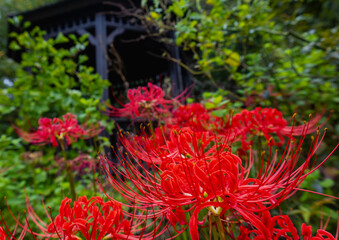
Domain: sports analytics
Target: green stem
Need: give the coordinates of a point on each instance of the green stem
(68, 171)
(94, 182)
(213, 229)
(259, 144)
(150, 125)
(259, 151)
(93, 169)
(220, 228)
(184, 234)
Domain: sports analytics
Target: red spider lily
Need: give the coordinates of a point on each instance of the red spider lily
(192, 115)
(278, 226)
(162, 147)
(281, 226)
(321, 233)
(176, 216)
(201, 172)
(89, 219)
(198, 118)
(267, 121)
(94, 218)
(52, 131)
(146, 102)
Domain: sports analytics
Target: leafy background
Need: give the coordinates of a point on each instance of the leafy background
(244, 53)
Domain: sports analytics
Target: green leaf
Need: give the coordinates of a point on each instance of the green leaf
(14, 46)
(190, 100)
(60, 39)
(327, 183)
(305, 212)
(209, 105)
(177, 9)
(207, 95)
(217, 100)
(27, 25)
(232, 58)
(143, 3)
(155, 15)
(220, 113)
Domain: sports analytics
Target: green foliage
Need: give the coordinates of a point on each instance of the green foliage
(34, 175)
(14, 6)
(53, 80)
(311, 205)
(201, 31)
(8, 66)
(281, 53)
(50, 82)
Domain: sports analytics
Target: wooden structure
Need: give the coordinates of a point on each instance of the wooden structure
(139, 58)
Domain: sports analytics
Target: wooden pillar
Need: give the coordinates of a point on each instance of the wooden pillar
(101, 49)
(175, 70)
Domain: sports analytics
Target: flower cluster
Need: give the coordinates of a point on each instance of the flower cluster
(61, 132)
(265, 122)
(146, 102)
(190, 168)
(281, 226)
(90, 219)
(192, 115)
(149, 102)
(193, 171)
(184, 174)
(242, 126)
(58, 130)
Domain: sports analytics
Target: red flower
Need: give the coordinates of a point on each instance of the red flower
(198, 118)
(93, 219)
(321, 234)
(168, 145)
(192, 115)
(197, 169)
(89, 219)
(146, 102)
(279, 227)
(56, 130)
(266, 122)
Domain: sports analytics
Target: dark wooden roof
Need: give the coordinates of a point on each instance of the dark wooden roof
(65, 12)
(66, 7)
